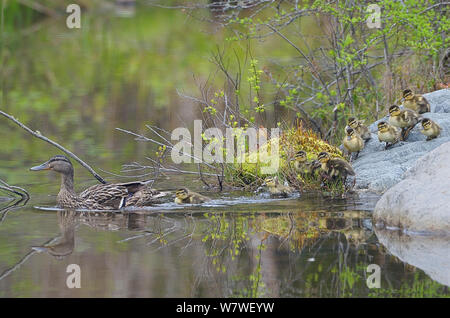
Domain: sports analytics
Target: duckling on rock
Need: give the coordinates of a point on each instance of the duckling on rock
(430, 129)
(276, 188)
(335, 167)
(416, 102)
(405, 119)
(387, 133)
(360, 128)
(353, 142)
(183, 196)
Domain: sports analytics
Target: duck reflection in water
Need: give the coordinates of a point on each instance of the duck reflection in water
(65, 244)
(69, 220)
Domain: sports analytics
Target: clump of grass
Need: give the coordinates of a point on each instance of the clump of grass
(250, 173)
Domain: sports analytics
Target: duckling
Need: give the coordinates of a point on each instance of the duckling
(405, 119)
(304, 166)
(359, 127)
(335, 167)
(430, 129)
(277, 189)
(353, 142)
(387, 133)
(416, 102)
(184, 195)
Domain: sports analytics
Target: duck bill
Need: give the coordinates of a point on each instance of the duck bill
(44, 166)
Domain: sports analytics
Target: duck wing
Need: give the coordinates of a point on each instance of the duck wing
(108, 195)
(145, 196)
(342, 165)
(423, 103)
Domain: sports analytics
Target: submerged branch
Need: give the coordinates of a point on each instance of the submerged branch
(37, 134)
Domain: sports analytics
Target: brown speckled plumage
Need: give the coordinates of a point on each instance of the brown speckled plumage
(110, 196)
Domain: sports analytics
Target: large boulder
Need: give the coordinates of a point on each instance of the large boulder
(378, 169)
(420, 202)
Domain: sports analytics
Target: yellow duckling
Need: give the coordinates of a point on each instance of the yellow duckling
(184, 195)
(405, 119)
(277, 189)
(353, 142)
(359, 127)
(335, 167)
(430, 129)
(416, 102)
(302, 164)
(387, 133)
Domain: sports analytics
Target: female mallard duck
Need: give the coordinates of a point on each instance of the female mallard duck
(405, 119)
(111, 196)
(359, 127)
(302, 165)
(186, 196)
(430, 129)
(353, 142)
(387, 133)
(277, 189)
(335, 167)
(416, 102)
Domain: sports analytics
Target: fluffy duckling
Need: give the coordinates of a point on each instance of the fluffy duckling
(416, 102)
(302, 164)
(359, 127)
(335, 167)
(405, 119)
(184, 195)
(430, 129)
(277, 189)
(353, 142)
(387, 133)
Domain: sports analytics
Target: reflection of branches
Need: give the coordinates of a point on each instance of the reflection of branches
(23, 260)
(162, 232)
(16, 205)
(14, 190)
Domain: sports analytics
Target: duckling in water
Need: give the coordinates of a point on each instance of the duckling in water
(405, 119)
(184, 195)
(387, 133)
(335, 167)
(430, 129)
(353, 142)
(359, 127)
(416, 102)
(303, 166)
(277, 189)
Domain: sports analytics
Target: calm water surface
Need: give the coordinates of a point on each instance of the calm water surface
(245, 246)
(76, 87)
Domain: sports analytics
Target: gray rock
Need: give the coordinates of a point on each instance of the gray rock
(420, 202)
(378, 169)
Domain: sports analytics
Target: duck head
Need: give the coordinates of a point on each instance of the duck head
(426, 123)
(300, 156)
(182, 193)
(394, 110)
(383, 126)
(323, 157)
(408, 94)
(58, 163)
